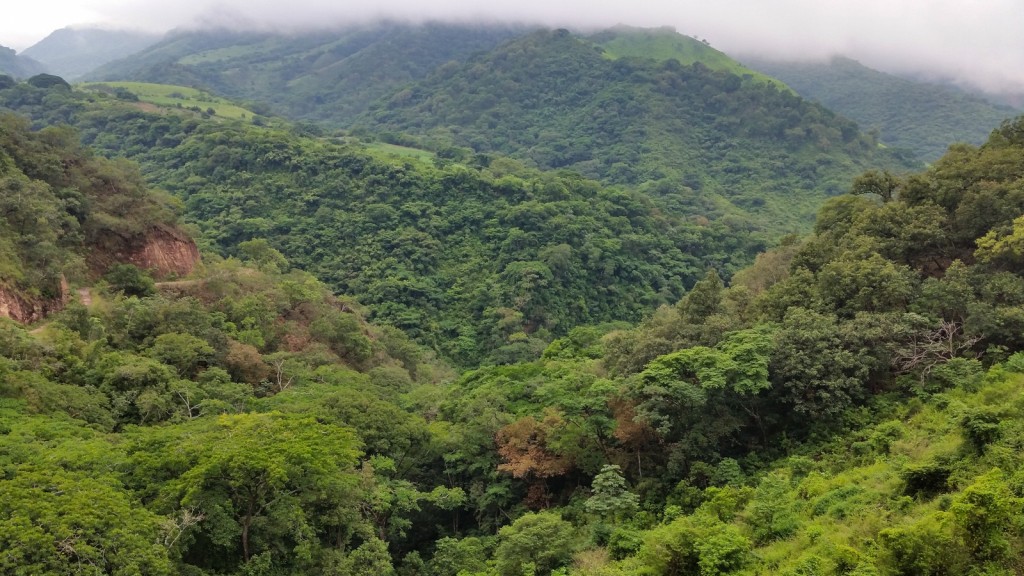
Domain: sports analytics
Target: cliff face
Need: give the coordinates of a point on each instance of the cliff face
(165, 252)
(26, 310)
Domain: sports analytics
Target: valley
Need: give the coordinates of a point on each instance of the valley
(498, 300)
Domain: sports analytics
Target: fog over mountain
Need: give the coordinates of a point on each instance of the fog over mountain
(964, 41)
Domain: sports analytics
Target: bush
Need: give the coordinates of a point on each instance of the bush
(130, 281)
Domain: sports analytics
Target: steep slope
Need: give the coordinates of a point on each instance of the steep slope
(915, 115)
(73, 52)
(555, 100)
(17, 65)
(325, 76)
(471, 259)
(69, 215)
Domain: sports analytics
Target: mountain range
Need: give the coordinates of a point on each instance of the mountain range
(624, 106)
(325, 76)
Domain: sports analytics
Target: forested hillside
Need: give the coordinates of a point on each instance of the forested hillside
(68, 215)
(849, 404)
(918, 116)
(328, 77)
(484, 261)
(623, 106)
(555, 101)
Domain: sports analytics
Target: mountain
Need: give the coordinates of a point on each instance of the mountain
(327, 76)
(73, 52)
(18, 66)
(475, 259)
(851, 404)
(665, 43)
(919, 116)
(560, 101)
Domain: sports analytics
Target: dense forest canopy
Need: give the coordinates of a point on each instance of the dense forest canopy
(635, 391)
(479, 259)
(556, 101)
(919, 116)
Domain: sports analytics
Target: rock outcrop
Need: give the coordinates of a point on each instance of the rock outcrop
(165, 252)
(26, 310)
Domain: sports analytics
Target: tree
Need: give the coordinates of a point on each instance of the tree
(264, 256)
(771, 512)
(610, 498)
(56, 522)
(184, 352)
(131, 281)
(540, 539)
(263, 480)
(882, 184)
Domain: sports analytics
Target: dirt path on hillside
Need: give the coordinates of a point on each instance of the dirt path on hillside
(85, 296)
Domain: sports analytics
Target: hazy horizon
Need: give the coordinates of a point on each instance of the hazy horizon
(951, 40)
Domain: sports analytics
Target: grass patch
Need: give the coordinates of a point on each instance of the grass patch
(663, 44)
(394, 150)
(169, 96)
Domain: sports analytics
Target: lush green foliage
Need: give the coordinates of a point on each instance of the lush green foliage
(849, 404)
(921, 117)
(60, 207)
(330, 76)
(476, 262)
(699, 135)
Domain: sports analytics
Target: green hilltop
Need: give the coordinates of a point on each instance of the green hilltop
(666, 44)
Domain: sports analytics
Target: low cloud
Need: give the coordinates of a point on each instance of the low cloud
(970, 41)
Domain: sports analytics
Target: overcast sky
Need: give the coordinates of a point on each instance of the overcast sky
(977, 41)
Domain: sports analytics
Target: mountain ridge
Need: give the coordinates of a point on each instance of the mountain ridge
(73, 52)
(921, 116)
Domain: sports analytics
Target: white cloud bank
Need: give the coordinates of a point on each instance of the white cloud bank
(972, 41)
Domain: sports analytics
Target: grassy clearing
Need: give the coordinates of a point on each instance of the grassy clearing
(666, 44)
(394, 150)
(170, 96)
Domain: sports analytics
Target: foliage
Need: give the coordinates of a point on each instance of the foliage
(332, 75)
(542, 540)
(921, 117)
(850, 404)
(706, 142)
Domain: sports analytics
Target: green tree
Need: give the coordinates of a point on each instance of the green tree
(129, 280)
(610, 498)
(540, 539)
(262, 481)
(56, 522)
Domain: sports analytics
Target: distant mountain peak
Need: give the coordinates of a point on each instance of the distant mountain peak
(74, 51)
